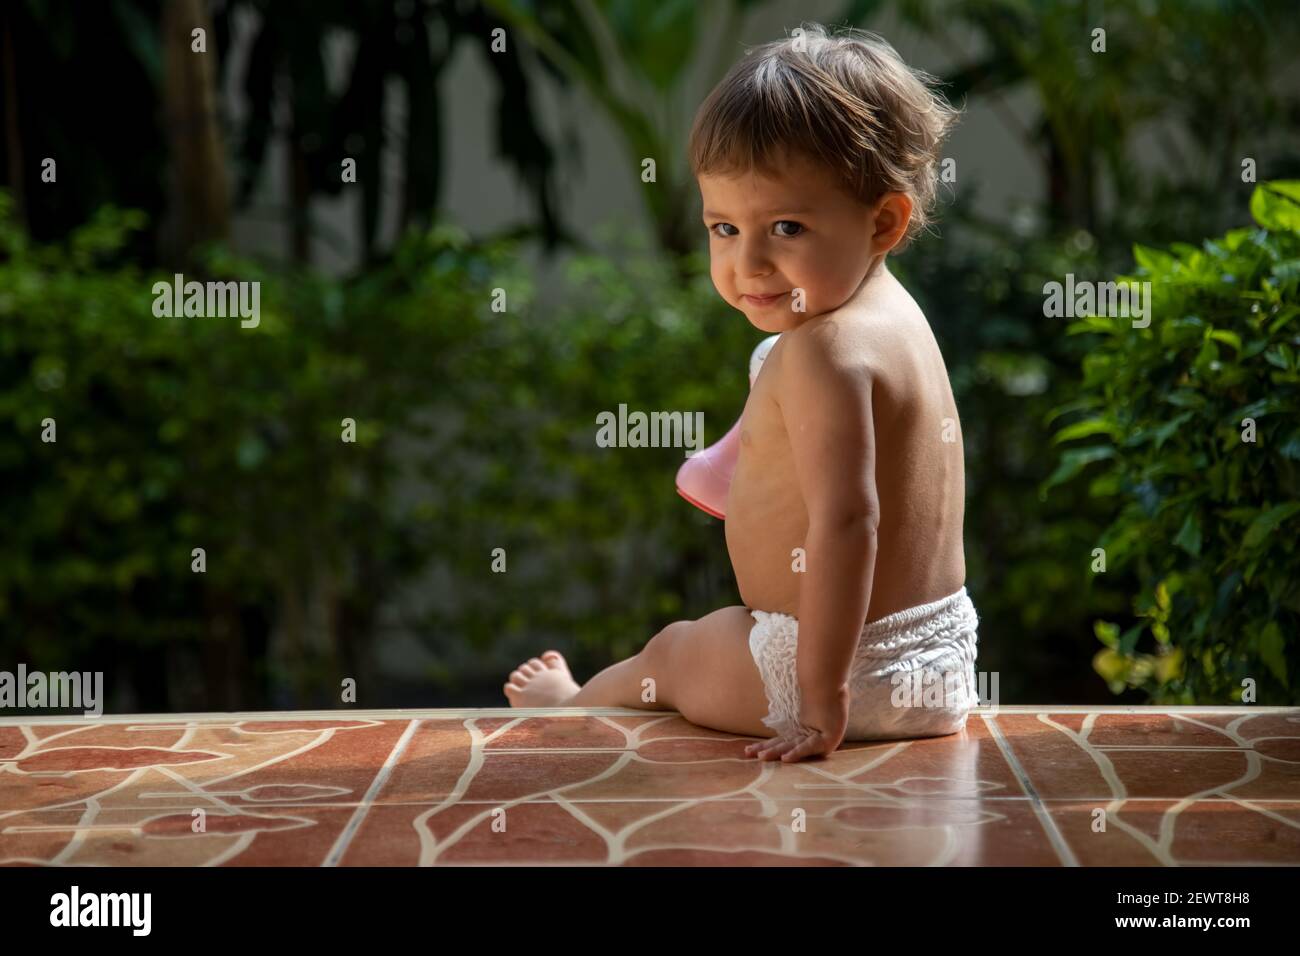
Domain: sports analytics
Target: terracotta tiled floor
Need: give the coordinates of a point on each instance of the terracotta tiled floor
(1020, 786)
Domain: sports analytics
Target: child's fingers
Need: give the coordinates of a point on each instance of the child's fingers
(763, 751)
(810, 745)
(774, 748)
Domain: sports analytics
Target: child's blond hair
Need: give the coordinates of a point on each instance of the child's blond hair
(845, 100)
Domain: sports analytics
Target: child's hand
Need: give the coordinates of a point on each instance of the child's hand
(826, 721)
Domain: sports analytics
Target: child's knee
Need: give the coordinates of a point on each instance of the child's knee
(662, 652)
(665, 647)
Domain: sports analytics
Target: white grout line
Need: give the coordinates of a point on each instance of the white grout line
(1105, 767)
(341, 844)
(460, 713)
(1054, 835)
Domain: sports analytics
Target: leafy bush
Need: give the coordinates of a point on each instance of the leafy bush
(180, 433)
(1208, 511)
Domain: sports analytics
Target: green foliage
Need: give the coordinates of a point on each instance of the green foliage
(1140, 138)
(1208, 512)
(182, 433)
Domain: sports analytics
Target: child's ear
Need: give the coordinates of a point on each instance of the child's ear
(891, 213)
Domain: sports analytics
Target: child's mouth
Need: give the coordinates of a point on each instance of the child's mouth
(763, 299)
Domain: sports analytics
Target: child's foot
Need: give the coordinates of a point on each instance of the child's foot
(541, 682)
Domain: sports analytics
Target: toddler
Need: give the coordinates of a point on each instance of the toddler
(816, 158)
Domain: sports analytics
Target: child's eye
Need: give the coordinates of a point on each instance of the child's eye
(790, 230)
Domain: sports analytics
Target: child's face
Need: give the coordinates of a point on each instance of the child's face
(775, 235)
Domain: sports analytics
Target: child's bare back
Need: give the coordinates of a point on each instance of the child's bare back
(918, 469)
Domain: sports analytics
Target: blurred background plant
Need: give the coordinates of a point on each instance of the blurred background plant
(1193, 423)
(475, 428)
(174, 434)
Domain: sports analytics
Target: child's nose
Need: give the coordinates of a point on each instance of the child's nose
(754, 258)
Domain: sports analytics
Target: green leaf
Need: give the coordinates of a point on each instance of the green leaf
(1112, 667)
(1285, 316)
(1289, 269)
(1264, 525)
(1272, 651)
(1090, 426)
(1104, 485)
(1256, 409)
(1153, 260)
(1276, 205)
(1079, 405)
(1189, 536)
(1223, 335)
(1074, 461)
(1166, 431)
(1111, 325)
(1186, 398)
(1128, 641)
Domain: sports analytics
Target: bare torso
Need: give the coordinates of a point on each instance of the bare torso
(919, 465)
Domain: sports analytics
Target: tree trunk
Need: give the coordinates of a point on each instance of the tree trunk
(200, 200)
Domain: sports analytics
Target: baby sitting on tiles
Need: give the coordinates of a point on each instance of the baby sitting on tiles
(816, 158)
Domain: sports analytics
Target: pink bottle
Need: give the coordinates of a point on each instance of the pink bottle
(705, 478)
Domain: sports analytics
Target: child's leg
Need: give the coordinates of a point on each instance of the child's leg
(701, 669)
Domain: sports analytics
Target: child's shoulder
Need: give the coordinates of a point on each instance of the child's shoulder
(862, 337)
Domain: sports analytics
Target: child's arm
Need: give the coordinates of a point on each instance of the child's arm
(826, 405)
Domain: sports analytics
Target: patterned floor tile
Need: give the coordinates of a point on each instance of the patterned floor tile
(1019, 786)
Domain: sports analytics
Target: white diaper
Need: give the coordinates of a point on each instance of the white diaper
(913, 673)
